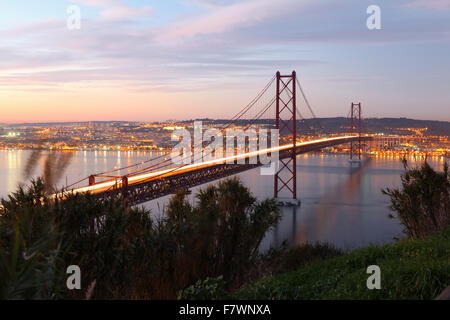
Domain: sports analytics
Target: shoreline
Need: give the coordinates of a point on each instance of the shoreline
(390, 153)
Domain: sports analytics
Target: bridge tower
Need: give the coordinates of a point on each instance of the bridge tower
(285, 121)
(355, 127)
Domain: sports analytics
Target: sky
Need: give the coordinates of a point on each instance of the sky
(153, 60)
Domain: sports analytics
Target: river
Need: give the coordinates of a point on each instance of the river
(340, 203)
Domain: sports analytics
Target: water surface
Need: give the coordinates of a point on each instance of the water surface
(340, 203)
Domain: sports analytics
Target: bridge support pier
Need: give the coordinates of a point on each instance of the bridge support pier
(125, 189)
(355, 127)
(287, 202)
(285, 121)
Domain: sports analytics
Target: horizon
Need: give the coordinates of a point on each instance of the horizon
(158, 60)
(209, 119)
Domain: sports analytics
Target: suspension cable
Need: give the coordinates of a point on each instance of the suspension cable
(263, 111)
(227, 125)
(308, 105)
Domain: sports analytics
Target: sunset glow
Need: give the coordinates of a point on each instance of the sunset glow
(158, 60)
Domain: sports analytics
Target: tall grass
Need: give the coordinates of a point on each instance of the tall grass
(122, 252)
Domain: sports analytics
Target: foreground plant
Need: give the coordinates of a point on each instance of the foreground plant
(422, 204)
(122, 252)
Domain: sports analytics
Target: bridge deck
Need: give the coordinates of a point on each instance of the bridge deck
(151, 185)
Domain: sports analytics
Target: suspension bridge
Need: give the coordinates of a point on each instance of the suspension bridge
(160, 176)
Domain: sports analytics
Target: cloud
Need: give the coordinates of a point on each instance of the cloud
(225, 18)
(214, 3)
(122, 12)
(248, 38)
(116, 9)
(99, 3)
(432, 4)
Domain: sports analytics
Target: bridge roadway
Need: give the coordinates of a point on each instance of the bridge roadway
(151, 185)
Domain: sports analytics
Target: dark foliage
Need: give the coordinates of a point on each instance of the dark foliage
(122, 252)
(422, 204)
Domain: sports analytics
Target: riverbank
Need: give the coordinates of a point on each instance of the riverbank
(410, 269)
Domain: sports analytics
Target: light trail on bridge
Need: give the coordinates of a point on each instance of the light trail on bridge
(168, 176)
(105, 185)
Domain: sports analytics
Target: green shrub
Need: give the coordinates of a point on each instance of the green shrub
(306, 253)
(410, 269)
(422, 204)
(208, 289)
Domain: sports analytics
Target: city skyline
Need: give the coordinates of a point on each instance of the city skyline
(153, 60)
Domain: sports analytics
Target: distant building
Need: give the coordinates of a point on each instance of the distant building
(390, 142)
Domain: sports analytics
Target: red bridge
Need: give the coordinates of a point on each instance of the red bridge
(162, 177)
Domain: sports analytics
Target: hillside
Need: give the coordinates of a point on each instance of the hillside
(410, 269)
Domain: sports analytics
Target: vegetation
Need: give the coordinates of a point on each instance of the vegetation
(411, 269)
(422, 204)
(209, 250)
(417, 267)
(122, 252)
(55, 163)
(275, 262)
(208, 289)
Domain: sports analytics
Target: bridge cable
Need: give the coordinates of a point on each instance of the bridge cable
(308, 105)
(209, 142)
(231, 121)
(248, 126)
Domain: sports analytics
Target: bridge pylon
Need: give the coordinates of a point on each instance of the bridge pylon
(285, 121)
(355, 128)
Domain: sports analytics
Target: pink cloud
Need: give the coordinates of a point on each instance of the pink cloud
(225, 18)
(116, 9)
(123, 12)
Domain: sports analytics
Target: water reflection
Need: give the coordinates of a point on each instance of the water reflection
(340, 204)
